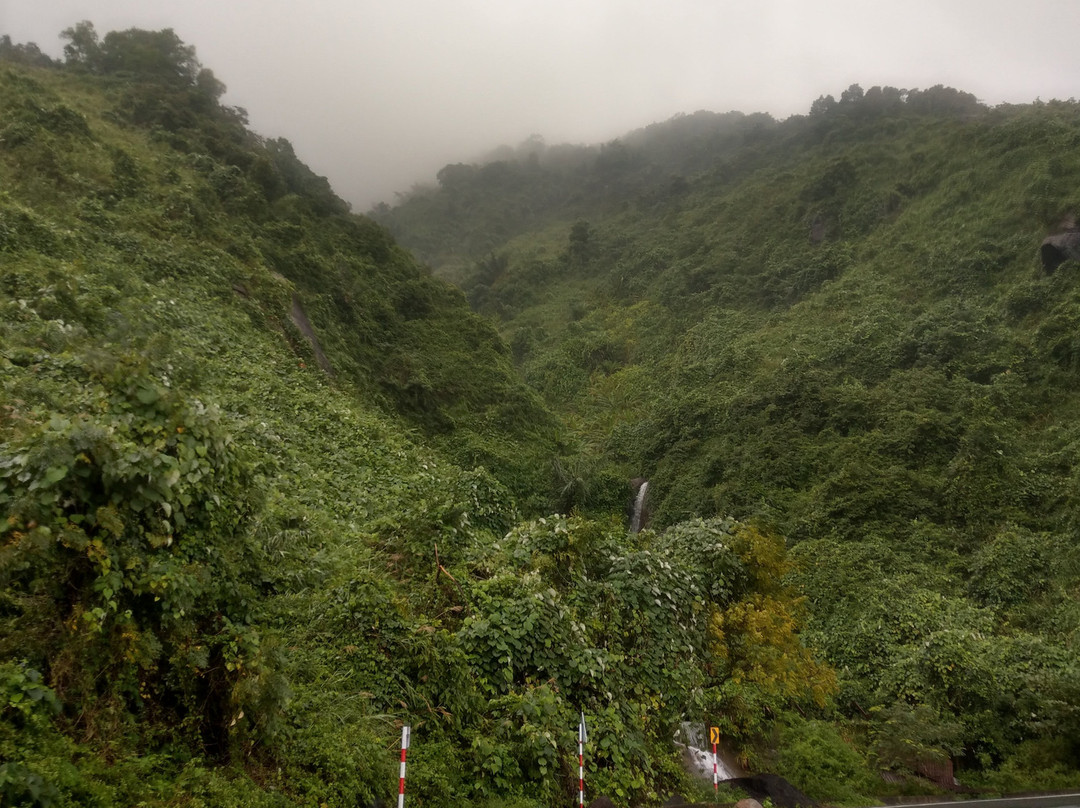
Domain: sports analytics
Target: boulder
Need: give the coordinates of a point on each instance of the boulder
(1058, 249)
(773, 787)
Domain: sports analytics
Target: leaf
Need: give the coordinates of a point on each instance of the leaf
(55, 474)
(147, 394)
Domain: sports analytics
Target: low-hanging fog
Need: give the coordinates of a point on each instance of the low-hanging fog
(378, 95)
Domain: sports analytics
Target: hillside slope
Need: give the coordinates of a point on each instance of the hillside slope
(836, 325)
(270, 491)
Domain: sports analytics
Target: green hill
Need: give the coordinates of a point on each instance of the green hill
(836, 326)
(270, 491)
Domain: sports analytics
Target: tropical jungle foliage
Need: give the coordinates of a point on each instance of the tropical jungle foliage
(270, 491)
(836, 327)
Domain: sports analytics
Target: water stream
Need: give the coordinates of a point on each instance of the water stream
(698, 753)
(639, 508)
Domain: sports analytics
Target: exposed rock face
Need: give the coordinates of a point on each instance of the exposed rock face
(939, 771)
(774, 787)
(1058, 249)
(302, 323)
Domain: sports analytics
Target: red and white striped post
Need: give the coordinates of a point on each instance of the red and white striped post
(582, 736)
(405, 731)
(715, 778)
(714, 736)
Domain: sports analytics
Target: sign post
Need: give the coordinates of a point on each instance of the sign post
(582, 736)
(406, 731)
(714, 736)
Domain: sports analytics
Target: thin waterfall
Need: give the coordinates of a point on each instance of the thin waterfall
(697, 755)
(639, 508)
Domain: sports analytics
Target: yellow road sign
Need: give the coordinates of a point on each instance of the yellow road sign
(714, 734)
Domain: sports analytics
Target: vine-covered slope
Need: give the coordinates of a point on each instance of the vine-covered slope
(269, 491)
(837, 325)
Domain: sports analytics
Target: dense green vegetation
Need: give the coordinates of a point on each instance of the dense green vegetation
(835, 326)
(270, 490)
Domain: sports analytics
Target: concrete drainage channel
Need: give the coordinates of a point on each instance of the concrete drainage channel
(675, 802)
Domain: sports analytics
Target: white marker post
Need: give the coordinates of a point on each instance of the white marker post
(582, 736)
(405, 732)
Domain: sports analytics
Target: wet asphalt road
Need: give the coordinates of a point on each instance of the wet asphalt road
(1042, 801)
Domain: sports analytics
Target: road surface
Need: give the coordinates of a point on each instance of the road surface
(1043, 801)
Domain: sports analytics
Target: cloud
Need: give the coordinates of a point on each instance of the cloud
(378, 95)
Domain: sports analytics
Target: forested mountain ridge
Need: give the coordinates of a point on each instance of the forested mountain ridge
(837, 325)
(476, 207)
(270, 491)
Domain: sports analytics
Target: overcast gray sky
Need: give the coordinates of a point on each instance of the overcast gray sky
(379, 94)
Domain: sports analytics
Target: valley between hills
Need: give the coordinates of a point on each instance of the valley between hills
(279, 479)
